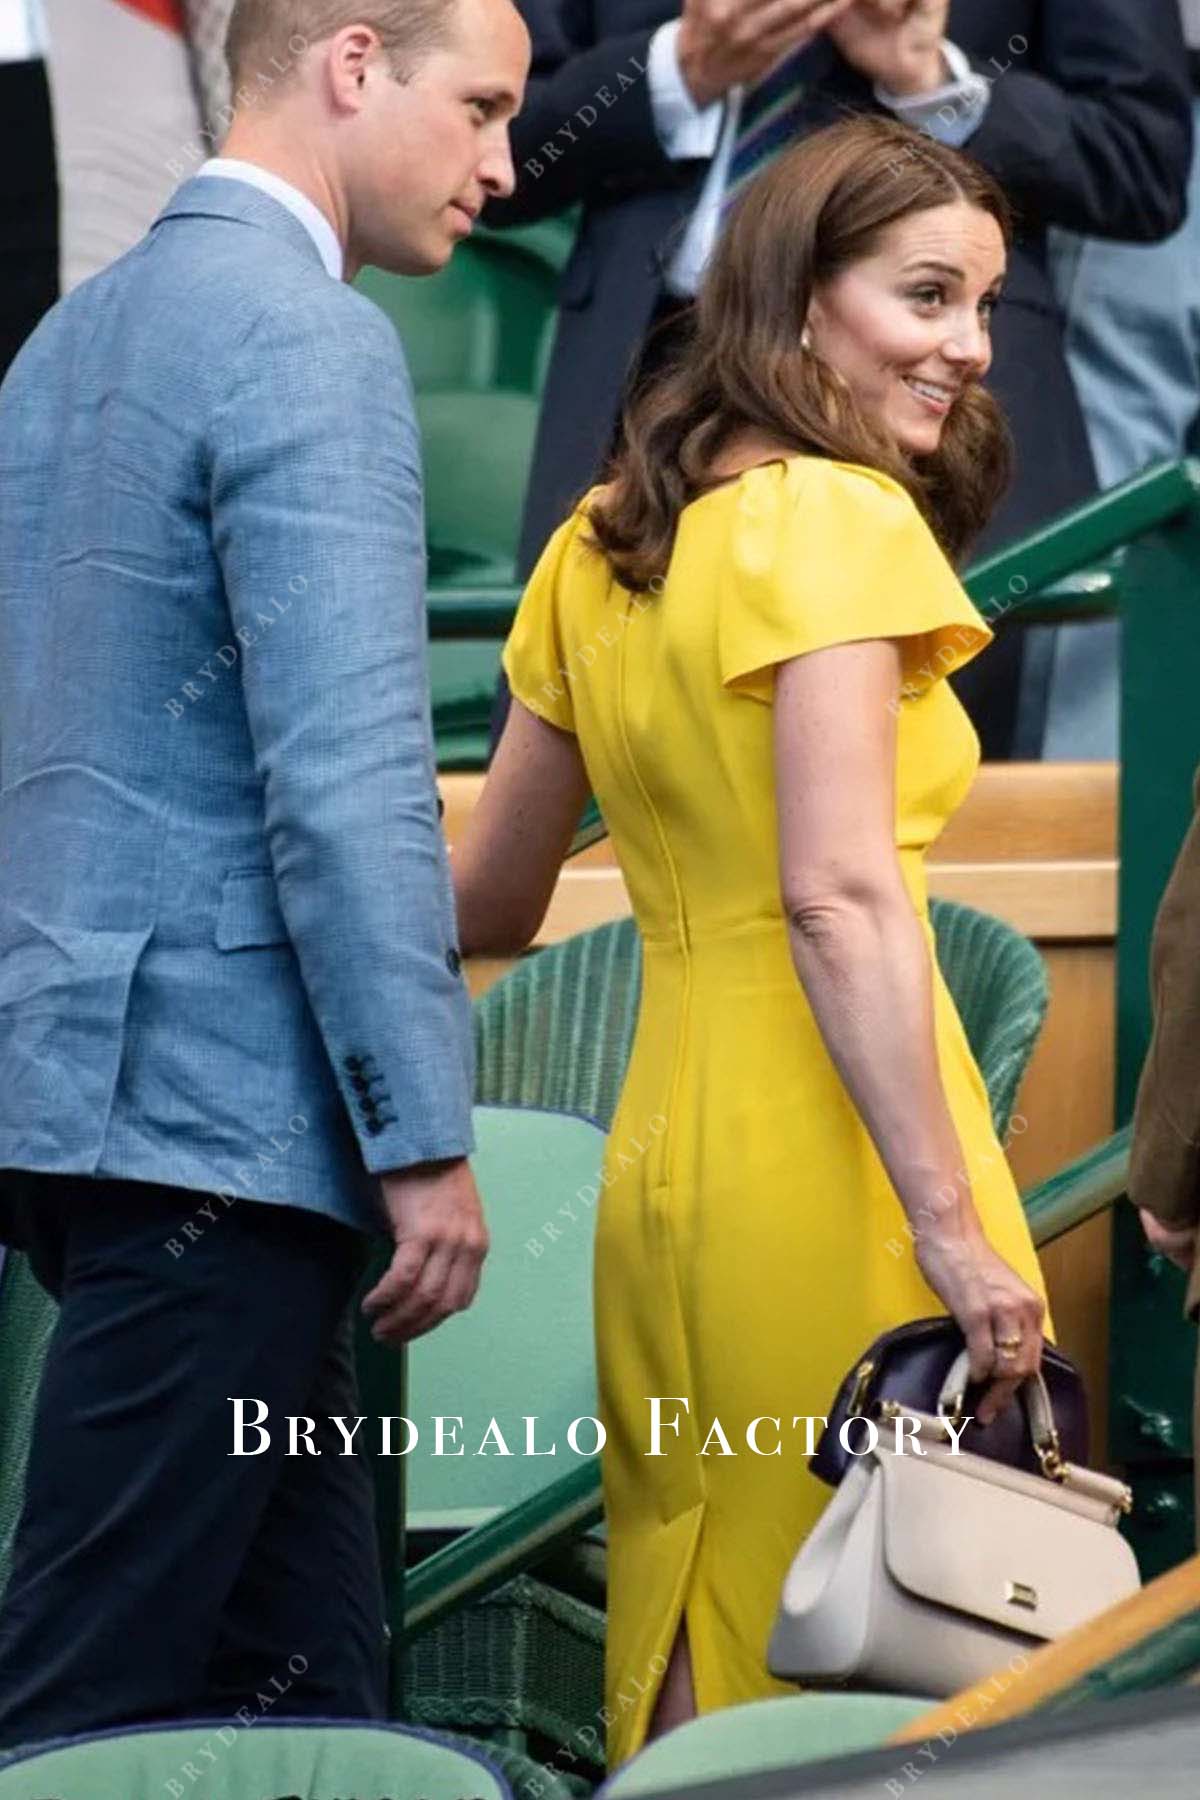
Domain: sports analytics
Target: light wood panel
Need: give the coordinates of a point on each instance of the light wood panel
(1034, 843)
(1035, 811)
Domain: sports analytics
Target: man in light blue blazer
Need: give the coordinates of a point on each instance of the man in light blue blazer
(234, 1032)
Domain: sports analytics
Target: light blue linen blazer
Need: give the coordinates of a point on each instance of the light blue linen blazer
(228, 955)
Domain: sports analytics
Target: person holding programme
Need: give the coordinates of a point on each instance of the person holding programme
(235, 1040)
(739, 642)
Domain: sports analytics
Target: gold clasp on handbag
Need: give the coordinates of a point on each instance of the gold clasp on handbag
(1049, 1454)
(862, 1380)
(957, 1410)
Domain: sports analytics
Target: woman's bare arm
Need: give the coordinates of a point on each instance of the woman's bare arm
(863, 959)
(508, 861)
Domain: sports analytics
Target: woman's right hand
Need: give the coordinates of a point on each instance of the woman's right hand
(992, 1306)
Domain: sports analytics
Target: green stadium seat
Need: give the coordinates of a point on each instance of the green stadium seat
(462, 679)
(525, 1345)
(486, 320)
(477, 338)
(761, 1737)
(317, 1759)
(528, 1658)
(477, 448)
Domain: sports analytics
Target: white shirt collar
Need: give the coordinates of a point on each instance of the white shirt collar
(310, 216)
(22, 31)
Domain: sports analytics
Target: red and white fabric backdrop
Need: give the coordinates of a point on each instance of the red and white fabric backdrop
(127, 115)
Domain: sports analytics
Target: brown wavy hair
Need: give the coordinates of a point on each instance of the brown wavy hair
(816, 210)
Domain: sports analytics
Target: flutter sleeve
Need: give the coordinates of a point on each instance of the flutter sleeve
(827, 553)
(534, 657)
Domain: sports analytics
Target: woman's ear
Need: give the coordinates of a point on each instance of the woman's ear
(814, 319)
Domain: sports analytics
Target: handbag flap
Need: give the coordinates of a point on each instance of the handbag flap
(1030, 1564)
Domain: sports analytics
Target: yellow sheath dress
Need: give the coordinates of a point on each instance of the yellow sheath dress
(748, 1242)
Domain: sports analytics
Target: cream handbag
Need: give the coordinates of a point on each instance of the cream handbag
(929, 1572)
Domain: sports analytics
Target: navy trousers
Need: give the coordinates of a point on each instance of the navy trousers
(155, 1575)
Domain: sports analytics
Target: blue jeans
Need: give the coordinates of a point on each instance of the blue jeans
(1133, 345)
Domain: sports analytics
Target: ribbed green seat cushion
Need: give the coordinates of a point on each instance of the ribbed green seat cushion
(266, 1760)
(761, 1736)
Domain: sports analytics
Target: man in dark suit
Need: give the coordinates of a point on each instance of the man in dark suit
(1081, 108)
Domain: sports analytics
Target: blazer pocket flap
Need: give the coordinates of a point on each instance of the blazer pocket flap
(249, 911)
(43, 962)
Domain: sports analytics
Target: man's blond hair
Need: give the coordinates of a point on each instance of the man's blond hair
(267, 38)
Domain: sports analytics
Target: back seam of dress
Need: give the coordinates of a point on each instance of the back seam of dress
(680, 917)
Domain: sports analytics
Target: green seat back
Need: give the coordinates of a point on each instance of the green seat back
(998, 983)
(556, 1030)
(525, 1345)
(462, 678)
(762, 1736)
(308, 1760)
(485, 321)
(477, 449)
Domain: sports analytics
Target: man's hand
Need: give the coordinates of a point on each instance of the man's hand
(724, 43)
(1178, 1247)
(441, 1241)
(896, 43)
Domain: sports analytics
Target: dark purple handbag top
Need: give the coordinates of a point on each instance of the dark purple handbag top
(910, 1364)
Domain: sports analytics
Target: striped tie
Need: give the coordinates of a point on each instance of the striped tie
(770, 116)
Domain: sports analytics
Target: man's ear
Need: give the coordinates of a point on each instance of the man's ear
(348, 56)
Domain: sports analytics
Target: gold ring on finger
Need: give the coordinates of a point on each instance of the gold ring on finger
(1009, 1343)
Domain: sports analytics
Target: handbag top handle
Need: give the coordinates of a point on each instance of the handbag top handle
(1035, 1399)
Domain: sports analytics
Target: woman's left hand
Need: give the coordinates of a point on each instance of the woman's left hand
(895, 42)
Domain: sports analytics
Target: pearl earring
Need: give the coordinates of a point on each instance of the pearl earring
(806, 339)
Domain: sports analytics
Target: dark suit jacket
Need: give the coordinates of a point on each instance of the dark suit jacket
(1164, 1169)
(1089, 127)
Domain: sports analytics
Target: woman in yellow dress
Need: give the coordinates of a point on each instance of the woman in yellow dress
(740, 644)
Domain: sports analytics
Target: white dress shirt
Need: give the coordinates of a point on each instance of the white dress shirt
(22, 31)
(951, 114)
(309, 214)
